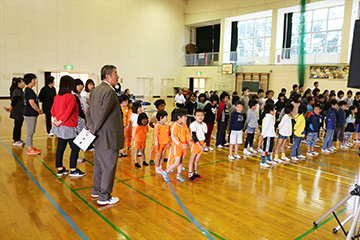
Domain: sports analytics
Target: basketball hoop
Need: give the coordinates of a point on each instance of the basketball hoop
(225, 72)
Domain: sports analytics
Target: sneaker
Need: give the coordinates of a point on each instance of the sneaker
(211, 149)
(226, 144)
(279, 160)
(259, 150)
(301, 157)
(264, 165)
(309, 154)
(230, 157)
(139, 154)
(333, 148)
(112, 200)
(145, 163)
(33, 151)
(193, 178)
(344, 147)
(197, 175)
(159, 171)
(91, 149)
(316, 146)
(276, 160)
(219, 146)
(291, 144)
(62, 172)
(287, 146)
(152, 162)
(237, 156)
(18, 144)
(137, 165)
(294, 159)
(253, 151)
(206, 149)
(212, 136)
(271, 162)
(351, 144)
(314, 153)
(285, 159)
(77, 173)
(325, 151)
(180, 179)
(303, 141)
(80, 160)
(246, 152)
(165, 176)
(50, 134)
(94, 195)
(165, 159)
(121, 154)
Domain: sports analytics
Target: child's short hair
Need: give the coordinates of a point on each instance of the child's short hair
(202, 95)
(302, 109)
(315, 83)
(159, 102)
(192, 94)
(223, 95)
(198, 111)
(316, 106)
(123, 98)
(270, 101)
(310, 99)
(357, 93)
(255, 97)
(321, 96)
(179, 113)
(260, 91)
(341, 92)
(352, 108)
(252, 103)
(267, 92)
(129, 101)
(161, 114)
(141, 117)
(269, 107)
(283, 90)
(245, 89)
(349, 92)
(235, 99)
(333, 102)
(235, 93)
(296, 98)
(135, 107)
(316, 91)
(295, 86)
(288, 108)
(281, 95)
(332, 95)
(173, 114)
(214, 98)
(342, 103)
(239, 103)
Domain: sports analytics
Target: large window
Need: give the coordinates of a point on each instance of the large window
(323, 29)
(254, 37)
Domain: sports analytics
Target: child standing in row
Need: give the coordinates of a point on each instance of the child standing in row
(252, 123)
(198, 131)
(161, 139)
(314, 123)
(268, 133)
(330, 125)
(124, 100)
(285, 131)
(210, 110)
(222, 118)
(350, 127)
(340, 125)
(299, 133)
(236, 127)
(128, 133)
(160, 106)
(139, 135)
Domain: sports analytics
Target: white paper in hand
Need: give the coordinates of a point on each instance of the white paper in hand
(84, 139)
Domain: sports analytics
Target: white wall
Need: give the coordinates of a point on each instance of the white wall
(142, 38)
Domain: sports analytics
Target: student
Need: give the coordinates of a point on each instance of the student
(160, 139)
(299, 133)
(31, 112)
(17, 110)
(202, 101)
(236, 127)
(139, 136)
(180, 137)
(295, 89)
(296, 103)
(251, 123)
(170, 159)
(222, 119)
(191, 107)
(160, 106)
(340, 126)
(332, 96)
(85, 95)
(65, 112)
(283, 91)
(260, 122)
(306, 96)
(245, 99)
(124, 101)
(280, 104)
(209, 119)
(312, 132)
(330, 125)
(136, 110)
(310, 108)
(268, 133)
(349, 100)
(128, 133)
(316, 93)
(198, 131)
(316, 85)
(46, 96)
(356, 138)
(350, 127)
(285, 131)
(356, 101)
(301, 91)
(340, 95)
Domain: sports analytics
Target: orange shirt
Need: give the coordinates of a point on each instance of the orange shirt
(139, 133)
(126, 115)
(171, 124)
(161, 134)
(180, 134)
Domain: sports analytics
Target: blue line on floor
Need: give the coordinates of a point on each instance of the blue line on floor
(188, 213)
(72, 224)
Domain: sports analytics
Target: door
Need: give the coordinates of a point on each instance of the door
(167, 87)
(144, 87)
(198, 84)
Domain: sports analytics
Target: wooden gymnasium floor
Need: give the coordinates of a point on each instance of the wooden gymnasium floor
(233, 200)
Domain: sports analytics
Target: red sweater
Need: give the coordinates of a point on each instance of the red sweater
(66, 109)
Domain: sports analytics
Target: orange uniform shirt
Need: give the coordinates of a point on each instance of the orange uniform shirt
(161, 135)
(139, 133)
(180, 134)
(126, 115)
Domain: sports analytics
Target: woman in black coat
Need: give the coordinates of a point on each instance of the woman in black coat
(46, 96)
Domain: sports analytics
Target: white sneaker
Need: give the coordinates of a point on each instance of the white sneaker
(237, 156)
(285, 159)
(259, 150)
(343, 147)
(294, 159)
(210, 148)
(253, 151)
(278, 160)
(301, 157)
(325, 151)
(271, 162)
(303, 141)
(351, 144)
(226, 144)
(230, 157)
(18, 144)
(246, 152)
(264, 165)
(50, 134)
(309, 154)
(347, 144)
(112, 200)
(314, 153)
(212, 136)
(316, 146)
(333, 148)
(206, 149)
(219, 146)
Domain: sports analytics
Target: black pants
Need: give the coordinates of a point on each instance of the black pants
(249, 140)
(17, 129)
(48, 122)
(60, 152)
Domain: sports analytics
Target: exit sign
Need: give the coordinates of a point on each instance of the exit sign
(198, 73)
(68, 66)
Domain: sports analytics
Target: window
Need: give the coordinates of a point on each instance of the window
(254, 37)
(58, 75)
(323, 29)
(199, 84)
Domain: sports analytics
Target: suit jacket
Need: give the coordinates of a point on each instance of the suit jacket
(104, 118)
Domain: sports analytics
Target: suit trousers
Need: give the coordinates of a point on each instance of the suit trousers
(104, 172)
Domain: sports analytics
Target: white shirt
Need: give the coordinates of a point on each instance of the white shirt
(285, 127)
(179, 99)
(133, 119)
(268, 129)
(200, 129)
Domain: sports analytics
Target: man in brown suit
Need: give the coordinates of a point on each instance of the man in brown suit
(106, 123)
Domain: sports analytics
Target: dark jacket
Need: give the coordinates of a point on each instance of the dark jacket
(17, 102)
(340, 118)
(314, 123)
(236, 121)
(330, 118)
(46, 96)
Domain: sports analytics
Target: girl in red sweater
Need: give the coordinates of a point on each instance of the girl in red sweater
(65, 111)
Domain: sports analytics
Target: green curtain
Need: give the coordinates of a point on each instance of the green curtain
(301, 64)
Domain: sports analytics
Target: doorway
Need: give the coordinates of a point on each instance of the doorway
(144, 87)
(167, 88)
(197, 83)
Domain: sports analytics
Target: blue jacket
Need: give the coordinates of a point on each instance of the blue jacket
(341, 117)
(330, 118)
(236, 121)
(314, 122)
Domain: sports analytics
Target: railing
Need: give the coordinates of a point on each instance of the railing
(202, 59)
(248, 57)
(313, 55)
